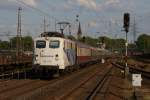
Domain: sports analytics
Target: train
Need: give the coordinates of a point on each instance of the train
(10, 57)
(9, 60)
(52, 51)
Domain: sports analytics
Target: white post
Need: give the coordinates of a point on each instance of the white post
(126, 57)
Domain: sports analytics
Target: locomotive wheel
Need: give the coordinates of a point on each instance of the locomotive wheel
(70, 69)
(35, 73)
(45, 74)
(62, 71)
(56, 74)
(40, 74)
(77, 67)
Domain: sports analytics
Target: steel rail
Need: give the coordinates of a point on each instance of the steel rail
(133, 70)
(100, 85)
(79, 86)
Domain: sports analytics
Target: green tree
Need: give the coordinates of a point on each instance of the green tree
(13, 42)
(27, 43)
(89, 40)
(71, 37)
(4, 45)
(112, 44)
(143, 42)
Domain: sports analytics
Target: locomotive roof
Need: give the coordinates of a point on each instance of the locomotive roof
(57, 34)
(52, 34)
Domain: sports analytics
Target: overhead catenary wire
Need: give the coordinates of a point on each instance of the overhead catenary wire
(38, 10)
(66, 18)
(41, 12)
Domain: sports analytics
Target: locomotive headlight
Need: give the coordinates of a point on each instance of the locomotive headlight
(56, 57)
(36, 57)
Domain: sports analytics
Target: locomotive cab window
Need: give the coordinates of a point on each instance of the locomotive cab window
(40, 44)
(54, 44)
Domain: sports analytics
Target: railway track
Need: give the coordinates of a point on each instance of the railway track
(132, 69)
(22, 87)
(43, 90)
(82, 88)
(10, 77)
(9, 85)
(99, 86)
(143, 92)
(87, 90)
(63, 83)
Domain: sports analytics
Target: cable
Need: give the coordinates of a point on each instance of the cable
(36, 9)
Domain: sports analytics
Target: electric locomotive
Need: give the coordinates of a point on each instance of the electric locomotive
(54, 52)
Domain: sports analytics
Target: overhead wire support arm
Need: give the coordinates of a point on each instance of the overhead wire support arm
(63, 25)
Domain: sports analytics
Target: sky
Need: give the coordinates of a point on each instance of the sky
(97, 17)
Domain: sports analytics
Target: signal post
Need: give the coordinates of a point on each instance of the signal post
(126, 28)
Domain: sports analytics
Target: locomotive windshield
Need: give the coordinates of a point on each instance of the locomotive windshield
(40, 44)
(54, 44)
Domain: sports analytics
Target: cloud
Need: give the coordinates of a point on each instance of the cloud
(94, 5)
(13, 4)
(86, 4)
(90, 4)
(112, 2)
(109, 4)
(31, 2)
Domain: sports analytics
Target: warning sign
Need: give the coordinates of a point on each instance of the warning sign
(136, 80)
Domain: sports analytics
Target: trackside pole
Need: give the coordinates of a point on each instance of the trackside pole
(126, 58)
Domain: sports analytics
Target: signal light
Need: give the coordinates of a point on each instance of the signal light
(83, 38)
(126, 21)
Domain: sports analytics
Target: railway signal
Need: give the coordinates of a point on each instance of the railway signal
(126, 22)
(126, 29)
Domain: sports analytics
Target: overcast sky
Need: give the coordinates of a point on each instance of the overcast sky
(103, 16)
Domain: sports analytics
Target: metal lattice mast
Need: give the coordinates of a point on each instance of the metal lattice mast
(19, 40)
(44, 24)
(134, 31)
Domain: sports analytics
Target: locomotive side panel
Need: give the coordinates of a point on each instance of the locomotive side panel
(69, 53)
